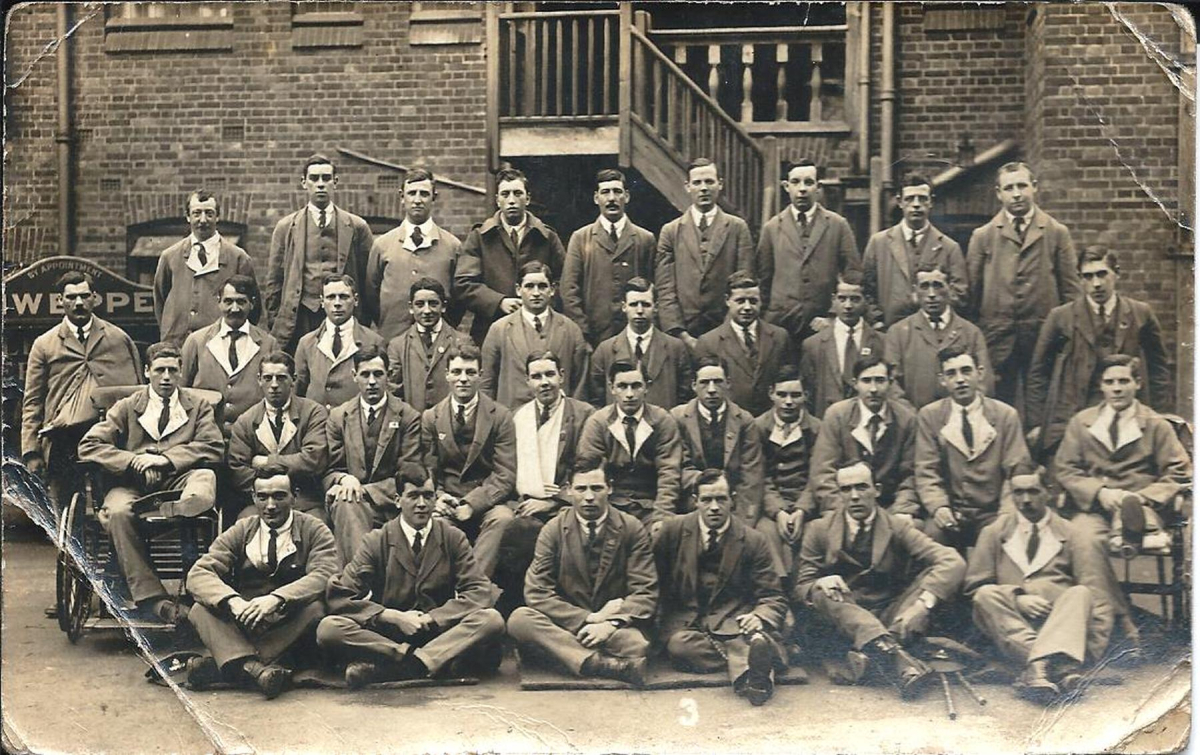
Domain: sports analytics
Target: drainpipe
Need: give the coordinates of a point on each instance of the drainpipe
(65, 136)
(864, 87)
(887, 98)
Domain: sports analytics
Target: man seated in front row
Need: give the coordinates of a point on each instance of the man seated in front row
(1026, 580)
(260, 589)
(592, 588)
(468, 442)
(282, 429)
(722, 606)
(413, 602)
(638, 444)
(370, 436)
(156, 439)
(857, 572)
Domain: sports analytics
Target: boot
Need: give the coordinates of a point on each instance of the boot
(1034, 683)
(630, 670)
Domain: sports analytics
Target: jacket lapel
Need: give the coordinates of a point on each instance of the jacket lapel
(483, 426)
(432, 553)
(1037, 229)
(691, 423)
(685, 559)
(612, 536)
(445, 430)
(656, 353)
(345, 235)
(391, 423)
(732, 552)
(788, 223)
(820, 223)
(354, 438)
(402, 551)
(717, 234)
(881, 536)
(897, 244)
(602, 239)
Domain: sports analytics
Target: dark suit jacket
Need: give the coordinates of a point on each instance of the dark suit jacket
(778, 494)
(184, 302)
(575, 415)
(559, 585)
(892, 460)
(899, 550)
(798, 283)
(746, 579)
(285, 265)
(415, 377)
(113, 442)
(821, 367)
(667, 364)
(202, 370)
(447, 584)
(691, 296)
(889, 271)
(399, 442)
(483, 473)
(488, 265)
(652, 473)
(510, 340)
(750, 382)
(595, 274)
(318, 378)
(303, 575)
(305, 454)
(912, 346)
(1062, 376)
(743, 455)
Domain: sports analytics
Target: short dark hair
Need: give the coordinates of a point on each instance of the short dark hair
(273, 469)
(585, 464)
(701, 162)
(509, 173)
(533, 267)
(639, 285)
(708, 477)
(1013, 167)
(416, 175)
(786, 373)
(1030, 468)
(278, 357)
(1099, 254)
(803, 162)
(317, 159)
(466, 351)
(624, 365)
(411, 473)
(931, 266)
(200, 195)
(954, 351)
(243, 284)
(610, 174)
(740, 279)
(369, 352)
(867, 361)
(712, 360)
(537, 356)
(427, 284)
(339, 278)
(1119, 360)
(851, 277)
(914, 179)
(74, 278)
(163, 350)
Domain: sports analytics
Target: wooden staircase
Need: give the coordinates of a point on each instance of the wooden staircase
(591, 82)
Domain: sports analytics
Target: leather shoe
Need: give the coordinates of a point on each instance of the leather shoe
(270, 679)
(911, 672)
(759, 686)
(360, 674)
(202, 672)
(630, 670)
(1034, 683)
(164, 609)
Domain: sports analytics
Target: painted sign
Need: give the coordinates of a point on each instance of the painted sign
(31, 298)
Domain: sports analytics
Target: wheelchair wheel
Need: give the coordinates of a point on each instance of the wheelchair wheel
(73, 590)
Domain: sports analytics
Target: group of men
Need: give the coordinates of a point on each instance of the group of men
(692, 443)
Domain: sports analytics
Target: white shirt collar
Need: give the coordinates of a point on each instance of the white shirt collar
(367, 407)
(427, 228)
(285, 527)
(909, 230)
(705, 529)
(87, 328)
(943, 321)
(467, 407)
(865, 414)
(696, 215)
(607, 226)
(436, 329)
(1109, 306)
(315, 213)
(706, 415)
(212, 250)
(855, 525)
(287, 408)
(223, 331)
(808, 216)
(558, 402)
(520, 229)
(1025, 527)
(972, 408)
(842, 330)
(741, 331)
(638, 416)
(528, 316)
(346, 328)
(1027, 217)
(410, 532)
(633, 336)
(156, 401)
(584, 522)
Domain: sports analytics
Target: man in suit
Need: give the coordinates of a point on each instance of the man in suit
(892, 256)
(721, 602)
(967, 446)
(370, 436)
(753, 349)
(494, 251)
(592, 589)
(1122, 467)
(260, 589)
(602, 258)
(1025, 579)
(858, 573)
(827, 357)
(469, 445)
(417, 248)
(418, 355)
(788, 433)
(317, 240)
(665, 360)
(224, 356)
(801, 252)
(547, 431)
(160, 438)
(66, 363)
(1076, 337)
(325, 357)
(283, 430)
(1019, 266)
(697, 252)
(638, 444)
(873, 428)
(414, 602)
(192, 272)
(912, 344)
(533, 329)
(716, 433)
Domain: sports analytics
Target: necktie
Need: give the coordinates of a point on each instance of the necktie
(81, 335)
(278, 429)
(416, 544)
(968, 433)
(631, 433)
(164, 417)
(233, 355)
(861, 538)
(749, 341)
(711, 545)
(802, 221)
(321, 220)
(935, 322)
(612, 234)
(460, 415)
(272, 549)
(371, 416)
(638, 353)
(543, 414)
(516, 242)
(848, 358)
(337, 342)
(915, 241)
(715, 424)
(591, 533)
(200, 254)
(873, 425)
(1113, 430)
(417, 237)
(537, 324)
(1019, 227)
(426, 338)
(703, 224)
(1035, 541)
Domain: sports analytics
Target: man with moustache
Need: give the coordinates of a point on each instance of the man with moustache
(325, 357)
(413, 603)
(417, 248)
(827, 357)
(721, 603)
(418, 355)
(893, 256)
(800, 253)
(601, 258)
(697, 252)
(192, 272)
(493, 253)
(913, 343)
(311, 243)
(532, 329)
(259, 590)
(664, 359)
(592, 589)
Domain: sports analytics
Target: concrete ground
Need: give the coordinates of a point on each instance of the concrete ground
(91, 697)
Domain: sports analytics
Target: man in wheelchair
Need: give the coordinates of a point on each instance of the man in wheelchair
(158, 439)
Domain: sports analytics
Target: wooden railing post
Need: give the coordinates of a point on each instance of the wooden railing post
(770, 176)
(625, 86)
(492, 96)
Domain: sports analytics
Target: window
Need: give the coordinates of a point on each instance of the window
(168, 27)
(445, 23)
(324, 24)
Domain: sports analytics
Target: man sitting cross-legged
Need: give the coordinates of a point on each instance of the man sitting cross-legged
(260, 589)
(413, 601)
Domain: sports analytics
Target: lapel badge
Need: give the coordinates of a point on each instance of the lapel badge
(441, 436)
(441, 349)
(394, 425)
(866, 351)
